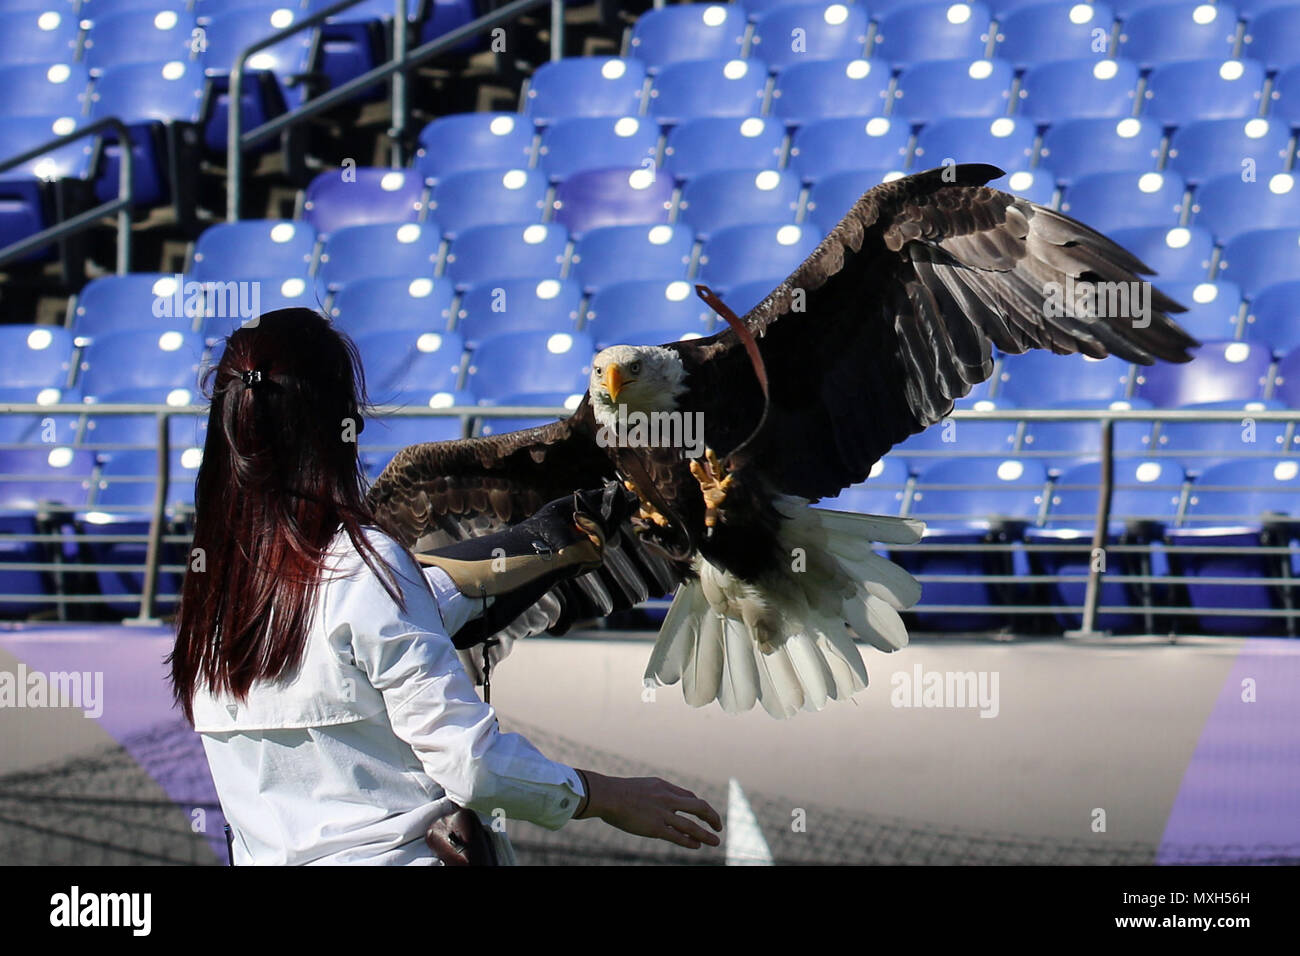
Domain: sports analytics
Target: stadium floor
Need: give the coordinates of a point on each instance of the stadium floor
(1157, 736)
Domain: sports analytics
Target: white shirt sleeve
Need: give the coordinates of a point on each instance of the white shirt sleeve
(432, 704)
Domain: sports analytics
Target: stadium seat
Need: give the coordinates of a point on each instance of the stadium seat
(1220, 372)
(139, 36)
(116, 303)
(517, 305)
(1180, 254)
(831, 198)
(1274, 317)
(829, 146)
(695, 31)
(697, 88)
(374, 251)
(254, 247)
(1259, 258)
(623, 308)
(952, 437)
(933, 90)
(1036, 185)
(745, 253)
(1062, 445)
(36, 357)
(585, 86)
(360, 195)
(500, 424)
(140, 358)
(1213, 308)
(28, 201)
(619, 253)
(510, 251)
(1234, 506)
(273, 292)
(385, 435)
(817, 89)
(743, 297)
(478, 197)
(40, 89)
(732, 197)
(827, 31)
(1048, 32)
(578, 143)
(1178, 31)
(709, 143)
(1288, 378)
(612, 197)
(1201, 445)
(44, 36)
(932, 31)
(1116, 200)
(885, 492)
(406, 360)
(1228, 207)
(1037, 379)
(530, 361)
(103, 431)
(417, 304)
(1286, 96)
(1004, 142)
(33, 479)
(1203, 89)
(453, 144)
(1078, 89)
(1080, 147)
(1273, 37)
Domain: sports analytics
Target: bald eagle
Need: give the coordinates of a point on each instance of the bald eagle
(871, 339)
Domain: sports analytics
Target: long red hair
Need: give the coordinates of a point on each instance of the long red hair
(280, 475)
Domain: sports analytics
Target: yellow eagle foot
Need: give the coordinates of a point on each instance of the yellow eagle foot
(714, 482)
(648, 511)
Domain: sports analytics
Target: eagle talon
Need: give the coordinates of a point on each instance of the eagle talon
(714, 483)
(648, 512)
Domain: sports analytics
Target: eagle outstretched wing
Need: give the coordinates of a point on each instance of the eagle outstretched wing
(894, 315)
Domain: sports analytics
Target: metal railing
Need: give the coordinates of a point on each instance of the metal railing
(121, 206)
(1133, 565)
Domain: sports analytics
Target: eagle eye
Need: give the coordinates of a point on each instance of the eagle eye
(634, 367)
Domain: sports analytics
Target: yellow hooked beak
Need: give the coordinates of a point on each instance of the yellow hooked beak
(614, 380)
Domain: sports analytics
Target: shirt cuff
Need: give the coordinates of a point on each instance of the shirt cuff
(457, 609)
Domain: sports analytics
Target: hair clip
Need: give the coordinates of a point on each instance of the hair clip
(251, 377)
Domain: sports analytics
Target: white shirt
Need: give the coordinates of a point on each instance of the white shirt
(376, 733)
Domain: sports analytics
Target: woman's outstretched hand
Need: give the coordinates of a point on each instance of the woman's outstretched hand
(650, 807)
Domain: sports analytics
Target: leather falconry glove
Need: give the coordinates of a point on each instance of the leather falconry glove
(511, 569)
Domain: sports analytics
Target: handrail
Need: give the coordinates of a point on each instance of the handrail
(85, 220)
(238, 141)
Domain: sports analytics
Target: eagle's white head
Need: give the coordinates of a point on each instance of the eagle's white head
(645, 378)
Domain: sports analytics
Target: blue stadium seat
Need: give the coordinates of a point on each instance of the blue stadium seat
(829, 146)
(1259, 258)
(41, 89)
(530, 361)
(509, 251)
(1037, 379)
(103, 431)
(1108, 201)
(885, 492)
(35, 363)
(695, 31)
(500, 424)
(1273, 37)
(404, 360)
(1201, 445)
(1060, 446)
(623, 308)
(33, 479)
(116, 303)
(831, 198)
(1204, 149)
(696, 88)
(26, 200)
(1004, 142)
(743, 297)
(1036, 185)
(816, 89)
(478, 197)
(1248, 10)
(273, 292)
(139, 36)
(1178, 31)
(1080, 147)
(140, 358)
(1220, 372)
(1274, 317)
(950, 436)
(933, 31)
(415, 303)
(709, 143)
(828, 31)
(1203, 89)
(385, 435)
(374, 251)
(746, 253)
(453, 144)
(612, 197)
(1237, 505)
(1288, 378)
(1286, 96)
(936, 89)
(732, 197)
(254, 247)
(619, 253)
(1075, 89)
(517, 305)
(1182, 253)
(585, 86)
(577, 143)
(356, 196)
(1049, 32)
(1213, 308)
(1227, 206)
(45, 36)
